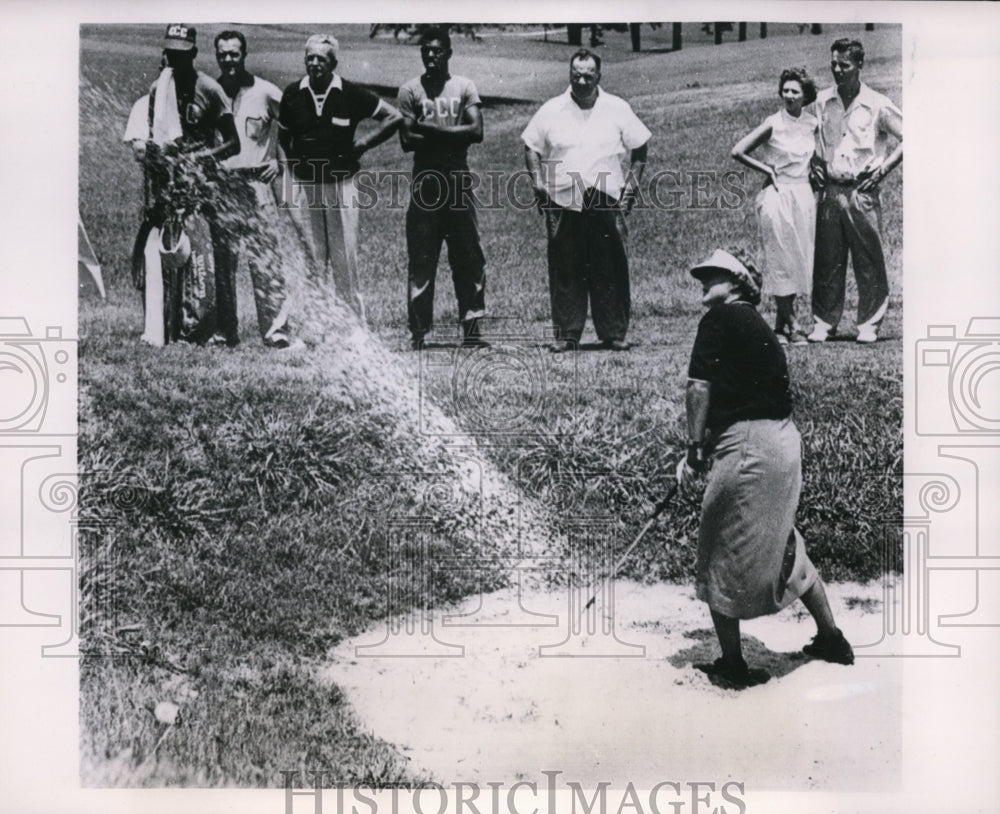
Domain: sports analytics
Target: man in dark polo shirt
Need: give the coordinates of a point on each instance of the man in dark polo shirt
(441, 118)
(317, 122)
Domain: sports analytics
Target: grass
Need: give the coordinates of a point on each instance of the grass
(248, 502)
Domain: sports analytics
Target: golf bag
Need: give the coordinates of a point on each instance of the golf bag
(188, 262)
(173, 267)
(173, 260)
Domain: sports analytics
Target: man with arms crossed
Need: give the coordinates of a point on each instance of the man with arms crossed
(249, 199)
(441, 118)
(852, 159)
(573, 148)
(318, 118)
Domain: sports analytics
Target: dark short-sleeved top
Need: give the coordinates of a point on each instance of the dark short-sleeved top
(200, 106)
(444, 103)
(740, 356)
(325, 136)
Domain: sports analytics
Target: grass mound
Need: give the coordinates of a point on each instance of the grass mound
(252, 511)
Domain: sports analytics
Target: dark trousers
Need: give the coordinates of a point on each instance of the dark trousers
(226, 258)
(588, 258)
(849, 221)
(442, 209)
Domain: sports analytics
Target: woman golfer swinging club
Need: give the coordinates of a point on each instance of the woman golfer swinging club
(752, 560)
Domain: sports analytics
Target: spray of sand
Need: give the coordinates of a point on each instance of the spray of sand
(516, 682)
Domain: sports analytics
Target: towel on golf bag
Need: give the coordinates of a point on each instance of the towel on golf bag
(147, 277)
(189, 311)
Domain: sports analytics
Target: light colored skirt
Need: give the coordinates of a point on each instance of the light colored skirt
(751, 559)
(786, 218)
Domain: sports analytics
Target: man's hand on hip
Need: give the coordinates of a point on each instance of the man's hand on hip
(542, 198)
(270, 171)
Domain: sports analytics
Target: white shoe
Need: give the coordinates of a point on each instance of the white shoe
(866, 334)
(820, 332)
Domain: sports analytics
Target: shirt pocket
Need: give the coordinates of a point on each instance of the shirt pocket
(861, 126)
(255, 128)
(338, 122)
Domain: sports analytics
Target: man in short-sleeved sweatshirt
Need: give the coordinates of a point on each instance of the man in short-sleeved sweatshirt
(318, 119)
(574, 148)
(441, 118)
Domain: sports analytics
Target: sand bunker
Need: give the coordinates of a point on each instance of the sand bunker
(497, 710)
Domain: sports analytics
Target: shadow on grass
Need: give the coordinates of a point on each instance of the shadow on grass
(756, 653)
(457, 344)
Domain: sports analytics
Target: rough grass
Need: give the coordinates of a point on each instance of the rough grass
(246, 501)
(243, 513)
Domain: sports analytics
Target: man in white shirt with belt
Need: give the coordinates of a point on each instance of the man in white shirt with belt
(574, 147)
(855, 123)
(249, 204)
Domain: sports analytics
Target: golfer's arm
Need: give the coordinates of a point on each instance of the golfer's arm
(228, 147)
(533, 161)
(893, 124)
(750, 142)
(468, 131)
(696, 400)
(409, 139)
(637, 166)
(230, 144)
(388, 118)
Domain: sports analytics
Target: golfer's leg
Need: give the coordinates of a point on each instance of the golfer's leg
(225, 251)
(785, 316)
(465, 256)
(344, 248)
(153, 328)
(607, 273)
(423, 246)
(864, 234)
(817, 604)
(308, 213)
(728, 631)
(567, 281)
(266, 272)
(830, 261)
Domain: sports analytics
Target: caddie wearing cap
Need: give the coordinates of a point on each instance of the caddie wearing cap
(190, 129)
(751, 559)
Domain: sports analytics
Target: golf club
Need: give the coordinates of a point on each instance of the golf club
(657, 511)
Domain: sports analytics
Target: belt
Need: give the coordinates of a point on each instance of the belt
(847, 182)
(250, 173)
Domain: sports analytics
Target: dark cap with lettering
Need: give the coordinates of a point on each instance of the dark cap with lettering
(179, 37)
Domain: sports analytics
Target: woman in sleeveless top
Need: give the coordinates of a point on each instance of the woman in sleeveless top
(786, 206)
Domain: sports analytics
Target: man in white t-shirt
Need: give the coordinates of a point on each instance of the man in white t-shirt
(249, 209)
(574, 147)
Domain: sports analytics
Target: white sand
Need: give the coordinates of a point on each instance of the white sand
(501, 711)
